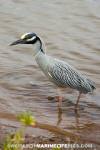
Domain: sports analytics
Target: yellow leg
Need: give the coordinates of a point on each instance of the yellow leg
(60, 97)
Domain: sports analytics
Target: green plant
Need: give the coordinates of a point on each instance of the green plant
(13, 142)
(27, 119)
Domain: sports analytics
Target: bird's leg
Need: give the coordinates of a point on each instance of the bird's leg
(59, 116)
(60, 97)
(80, 93)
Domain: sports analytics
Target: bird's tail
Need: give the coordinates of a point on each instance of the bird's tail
(91, 83)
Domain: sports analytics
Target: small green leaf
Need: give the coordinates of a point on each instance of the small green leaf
(27, 119)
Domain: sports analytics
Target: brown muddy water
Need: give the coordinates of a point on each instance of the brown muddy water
(71, 32)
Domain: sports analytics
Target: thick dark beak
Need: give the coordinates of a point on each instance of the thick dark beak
(20, 41)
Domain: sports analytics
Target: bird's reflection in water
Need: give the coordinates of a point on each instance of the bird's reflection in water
(59, 115)
(60, 118)
(77, 116)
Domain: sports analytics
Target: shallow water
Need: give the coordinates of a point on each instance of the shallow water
(71, 32)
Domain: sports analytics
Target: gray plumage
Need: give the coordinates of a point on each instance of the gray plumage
(63, 75)
(59, 72)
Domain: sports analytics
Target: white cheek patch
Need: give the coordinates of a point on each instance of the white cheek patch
(23, 36)
(34, 37)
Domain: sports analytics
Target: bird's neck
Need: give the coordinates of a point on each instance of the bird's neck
(38, 47)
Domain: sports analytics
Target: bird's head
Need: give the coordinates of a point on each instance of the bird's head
(27, 38)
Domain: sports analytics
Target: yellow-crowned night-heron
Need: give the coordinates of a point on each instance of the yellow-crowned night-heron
(57, 71)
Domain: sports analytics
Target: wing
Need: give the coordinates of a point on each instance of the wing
(65, 75)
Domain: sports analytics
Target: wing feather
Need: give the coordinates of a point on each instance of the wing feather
(65, 75)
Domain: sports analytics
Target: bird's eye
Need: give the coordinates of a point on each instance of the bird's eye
(25, 38)
(31, 38)
(28, 37)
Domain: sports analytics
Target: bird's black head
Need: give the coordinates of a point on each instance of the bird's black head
(27, 38)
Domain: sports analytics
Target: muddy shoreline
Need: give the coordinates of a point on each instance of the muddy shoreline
(58, 136)
(56, 139)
